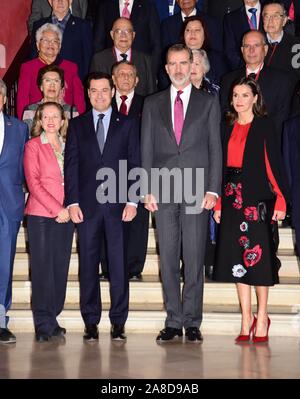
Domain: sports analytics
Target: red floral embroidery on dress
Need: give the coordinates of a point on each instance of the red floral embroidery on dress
(229, 189)
(251, 213)
(252, 256)
(244, 241)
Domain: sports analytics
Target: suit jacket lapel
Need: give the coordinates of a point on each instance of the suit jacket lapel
(7, 127)
(112, 129)
(165, 111)
(136, 7)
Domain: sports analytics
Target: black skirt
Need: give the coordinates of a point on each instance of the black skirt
(245, 250)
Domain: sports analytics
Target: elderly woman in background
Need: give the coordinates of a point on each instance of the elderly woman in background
(254, 196)
(51, 82)
(48, 40)
(50, 231)
(200, 67)
(195, 37)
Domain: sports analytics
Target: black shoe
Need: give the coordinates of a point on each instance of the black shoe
(117, 332)
(169, 333)
(135, 277)
(103, 276)
(91, 333)
(59, 332)
(193, 334)
(42, 337)
(7, 337)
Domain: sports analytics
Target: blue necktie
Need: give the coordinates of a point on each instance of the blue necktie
(100, 132)
(253, 18)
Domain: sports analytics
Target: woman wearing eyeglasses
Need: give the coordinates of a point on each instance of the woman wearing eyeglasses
(51, 82)
(48, 39)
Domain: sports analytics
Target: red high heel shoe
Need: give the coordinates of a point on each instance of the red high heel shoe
(265, 338)
(244, 338)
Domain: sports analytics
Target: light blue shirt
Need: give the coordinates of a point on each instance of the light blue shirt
(105, 120)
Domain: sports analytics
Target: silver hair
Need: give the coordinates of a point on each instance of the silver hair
(3, 87)
(46, 27)
(205, 61)
(257, 31)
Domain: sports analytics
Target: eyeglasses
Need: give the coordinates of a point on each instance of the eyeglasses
(274, 17)
(256, 46)
(193, 30)
(124, 31)
(49, 81)
(48, 41)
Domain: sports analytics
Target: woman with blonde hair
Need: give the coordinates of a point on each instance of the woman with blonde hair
(50, 231)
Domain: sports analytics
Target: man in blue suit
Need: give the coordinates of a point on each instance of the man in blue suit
(291, 156)
(13, 135)
(77, 40)
(96, 140)
(166, 8)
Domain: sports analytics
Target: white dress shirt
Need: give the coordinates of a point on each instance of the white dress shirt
(278, 40)
(119, 57)
(105, 120)
(127, 102)
(192, 14)
(259, 68)
(122, 5)
(171, 7)
(185, 97)
(258, 7)
(1, 131)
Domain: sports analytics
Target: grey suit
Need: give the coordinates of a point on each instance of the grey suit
(200, 147)
(104, 60)
(41, 9)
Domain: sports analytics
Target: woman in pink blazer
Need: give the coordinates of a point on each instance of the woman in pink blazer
(50, 231)
(48, 39)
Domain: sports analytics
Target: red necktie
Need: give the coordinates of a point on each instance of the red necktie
(178, 116)
(292, 12)
(125, 12)
(123, 106)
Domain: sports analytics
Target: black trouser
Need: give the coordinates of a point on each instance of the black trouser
(136, 245)
(50, 245)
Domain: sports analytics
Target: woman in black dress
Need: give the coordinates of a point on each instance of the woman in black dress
(254, 196)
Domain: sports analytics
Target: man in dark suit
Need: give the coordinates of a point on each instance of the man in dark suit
(144, 18)
(97, 142)
(77, 35)
(172, 26)
(13, 135)
(180, 133)
(123, 36)
(42, 9)
(236, 24)
(276, 86)
(291, 156)
(167, 8)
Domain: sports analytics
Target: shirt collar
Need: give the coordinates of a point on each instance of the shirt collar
(259, 68)
(65, 18)
(192, 14)
(118, 54)
(129, 96)
(257, 6)
(107, 113)
(185, 92)
(44, 138)
(278, 40)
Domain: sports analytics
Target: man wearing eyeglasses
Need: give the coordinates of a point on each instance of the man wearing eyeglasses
(276, 86)
(144, 17)
(77, 39)
(282, 49)
(123, 36)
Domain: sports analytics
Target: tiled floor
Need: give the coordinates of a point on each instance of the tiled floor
(142, 357)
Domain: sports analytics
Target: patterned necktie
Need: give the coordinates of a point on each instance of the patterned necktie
(253, 18)
(123, 106)
(178, 116)
(124, 56)
(125, 12)
(100, 132)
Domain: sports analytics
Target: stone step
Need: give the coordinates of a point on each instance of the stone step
(214, 323)
(289, 268)
(149, 291)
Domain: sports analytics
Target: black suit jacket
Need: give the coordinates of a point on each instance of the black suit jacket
(76, 43)
(136, 107)
(146, 25)
(172, 26)
(83, 158)
(104, 60)
(236, 24)
(277, 90)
